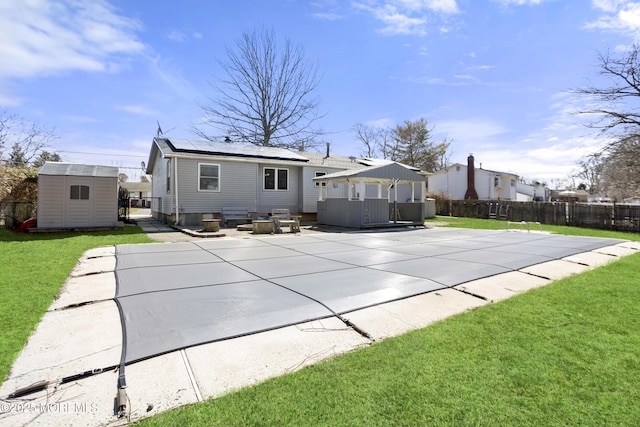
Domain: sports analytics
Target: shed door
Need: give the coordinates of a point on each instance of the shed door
(79, 199)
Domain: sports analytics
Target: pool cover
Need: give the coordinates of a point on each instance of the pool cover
(174, 296)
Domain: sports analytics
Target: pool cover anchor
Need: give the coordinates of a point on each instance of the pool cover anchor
(121, 395)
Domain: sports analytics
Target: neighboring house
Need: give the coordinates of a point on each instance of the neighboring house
(453, 182)
(633, 200)
(139, 194)
(532, 192)
(597, 198)
(77, 196)
(196, 178)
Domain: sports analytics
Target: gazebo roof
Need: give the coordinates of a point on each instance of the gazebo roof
(386, 173)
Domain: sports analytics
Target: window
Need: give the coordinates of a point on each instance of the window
(324, 184)
(208, 177)
(276, 179)
(79, 192)
(168, 175)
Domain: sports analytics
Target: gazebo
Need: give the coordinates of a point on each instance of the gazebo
(377, 196)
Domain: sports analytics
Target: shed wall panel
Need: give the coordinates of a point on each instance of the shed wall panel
(105, 202)
(51, 201)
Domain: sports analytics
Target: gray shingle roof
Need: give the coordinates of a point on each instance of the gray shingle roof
(74, 169)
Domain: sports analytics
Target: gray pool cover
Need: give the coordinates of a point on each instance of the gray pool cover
(174, 296)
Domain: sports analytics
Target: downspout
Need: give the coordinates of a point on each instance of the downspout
(175, 186)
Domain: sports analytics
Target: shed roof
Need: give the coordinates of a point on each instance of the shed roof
(378, 174)
(75, 169)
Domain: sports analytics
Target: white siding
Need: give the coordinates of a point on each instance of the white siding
(276, 199)
(310, 191)
(51, 201)
(451, 182)
(161, 200)
(237, 182)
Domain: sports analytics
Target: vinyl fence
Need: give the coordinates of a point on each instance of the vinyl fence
(603, 216)
(14, 213)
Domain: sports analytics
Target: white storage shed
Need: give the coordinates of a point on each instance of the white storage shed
(77, 196)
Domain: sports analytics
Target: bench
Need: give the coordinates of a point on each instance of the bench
(282, 217)
(235, 215)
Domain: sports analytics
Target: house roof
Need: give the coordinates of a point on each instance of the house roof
(338, 162)
(75, 169)
(174, 147)
(189, 147)
(376, 174)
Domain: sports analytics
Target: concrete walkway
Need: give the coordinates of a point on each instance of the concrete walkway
(82, 331)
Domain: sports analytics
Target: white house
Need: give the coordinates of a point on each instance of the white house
(194, 178)
(139, 193)
(532, 192)
(455, 181)
(77, 196)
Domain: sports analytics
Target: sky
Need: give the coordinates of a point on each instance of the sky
(494, 77)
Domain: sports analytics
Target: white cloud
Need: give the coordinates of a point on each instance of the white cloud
(381, 123)
(7, 100)
(43, 37)
(328, 16)
(519, 2)
(177, 36)
(180, 36)
(621, 16)
(408, 17)
(140, 110)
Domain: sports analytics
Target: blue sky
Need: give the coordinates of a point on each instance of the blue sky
(493, 76)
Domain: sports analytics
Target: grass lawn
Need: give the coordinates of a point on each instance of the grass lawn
(34, 268)
(565, 354)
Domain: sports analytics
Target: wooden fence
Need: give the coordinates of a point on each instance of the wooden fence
(603, 216)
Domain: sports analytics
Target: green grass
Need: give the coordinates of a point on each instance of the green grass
(34, 267)
(492, 224)
(565, 354)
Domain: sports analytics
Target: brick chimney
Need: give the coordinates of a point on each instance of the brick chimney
(471, 193)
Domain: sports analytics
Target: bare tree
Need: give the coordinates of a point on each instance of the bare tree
(590, 171)
(266, 94)
(621, 169)
(376, 140)
(617, 108)
(616, 105)
(28, 140)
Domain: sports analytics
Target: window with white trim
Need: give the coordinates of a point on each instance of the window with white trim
(79, 192)
(208, 177)
(276, 179)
